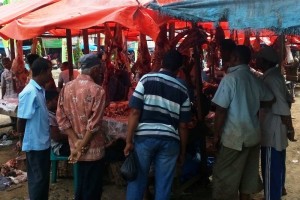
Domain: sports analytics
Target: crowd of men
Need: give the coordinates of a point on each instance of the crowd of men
(252, 117)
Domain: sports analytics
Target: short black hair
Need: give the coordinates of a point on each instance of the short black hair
(243, 53)
(227, 45)
(65, 63)
(30, 58)
(51, 94)
(39, 66)
(172, 60)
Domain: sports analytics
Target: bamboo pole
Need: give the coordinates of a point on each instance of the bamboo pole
(98, 42)
(70, 52)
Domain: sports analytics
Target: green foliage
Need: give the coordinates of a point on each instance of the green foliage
(77, 52)
(5, 2)
(39, 49)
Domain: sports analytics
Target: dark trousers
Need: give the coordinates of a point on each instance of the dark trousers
(38, 173)
(273, 172)
(90, 175)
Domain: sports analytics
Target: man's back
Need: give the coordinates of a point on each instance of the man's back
(81, 106)
(32, 107)
(241, 92)
(64, 75)
(164, 103)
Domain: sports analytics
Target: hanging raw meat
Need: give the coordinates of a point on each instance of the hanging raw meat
(18, 69)
(107, 43)
(220, 35)
(33, 46)
(120, 48)
(196, 37)
(256, 43)
(247, 38)
(143, 63)
(162, 45)
(232, 34)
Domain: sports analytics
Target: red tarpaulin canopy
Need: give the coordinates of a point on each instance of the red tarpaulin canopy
(18, 9)
(76, 14)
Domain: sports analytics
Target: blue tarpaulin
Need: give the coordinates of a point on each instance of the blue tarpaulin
(24, 47)
(279, 15)
(91, 47)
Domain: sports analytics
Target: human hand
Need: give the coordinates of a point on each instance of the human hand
(128, 148)
(291, 135)
(181, 159)
(19, 146)
(79, 146)
(74, 156)
(216, 143)
(78, 143)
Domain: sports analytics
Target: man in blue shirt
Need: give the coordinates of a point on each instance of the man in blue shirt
(160, 110)
(33, 124)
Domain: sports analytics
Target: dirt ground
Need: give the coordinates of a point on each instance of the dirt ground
(63, 189)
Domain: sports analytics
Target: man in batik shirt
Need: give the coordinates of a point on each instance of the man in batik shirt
(79, 115)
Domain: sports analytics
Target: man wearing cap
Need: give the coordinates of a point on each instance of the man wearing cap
(79, 114)
(276, 125)
(237, 131)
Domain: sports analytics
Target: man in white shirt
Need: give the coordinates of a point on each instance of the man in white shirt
(7, 80)
(237, 129)
(276, 125)
(63, 77)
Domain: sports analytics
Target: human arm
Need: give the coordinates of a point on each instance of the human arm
(21, 124)
(267, 104)
(133, 121)
(26, 109)
(3, 86)
(220, 117)
(81, 145)
(287, 121)
(60, 81)
(56, 134)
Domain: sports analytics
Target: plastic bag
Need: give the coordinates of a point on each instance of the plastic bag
(129, 168)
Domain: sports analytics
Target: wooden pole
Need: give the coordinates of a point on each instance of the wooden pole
(198, 76)
(70, 52)
(98, 42)
(281, 52)
(199, 87)
(86, 49)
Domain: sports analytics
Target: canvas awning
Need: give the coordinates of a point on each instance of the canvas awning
(76, 14)
(18, 9)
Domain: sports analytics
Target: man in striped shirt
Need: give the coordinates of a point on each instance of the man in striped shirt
(160, 110)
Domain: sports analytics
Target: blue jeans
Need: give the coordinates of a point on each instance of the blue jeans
(163, 152)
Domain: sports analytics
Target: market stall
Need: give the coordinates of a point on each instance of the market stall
(8, 107)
